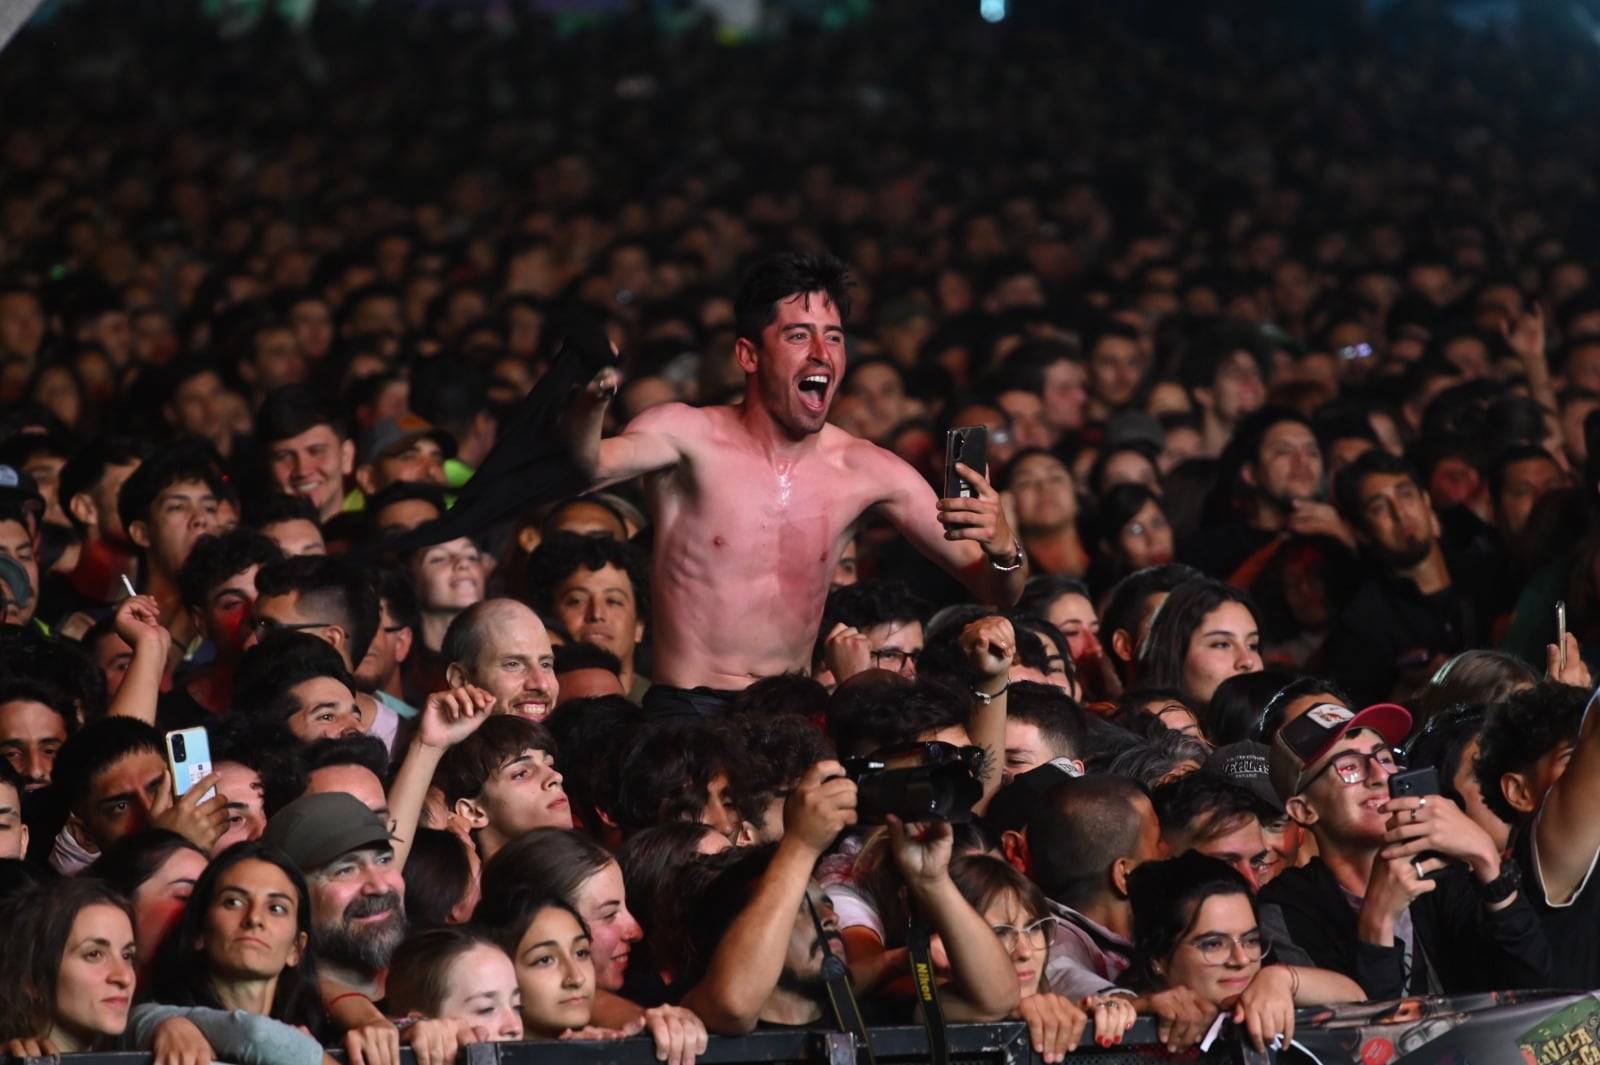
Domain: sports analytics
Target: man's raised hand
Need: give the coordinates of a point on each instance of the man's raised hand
(450, 716)
(820, 807)
(978, 517)
(989, 644)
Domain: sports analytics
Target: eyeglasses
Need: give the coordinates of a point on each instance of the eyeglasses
(1217, 949)
(262, 626)
(1038, 933)
(894, 658)
(1354, 767)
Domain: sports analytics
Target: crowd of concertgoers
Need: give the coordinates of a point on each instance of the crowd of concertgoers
(1287, 345)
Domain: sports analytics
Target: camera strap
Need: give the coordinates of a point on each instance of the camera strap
(841, 996)
(923, 978)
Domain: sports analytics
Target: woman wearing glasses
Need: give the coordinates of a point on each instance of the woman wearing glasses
(1195, 926)
(1017, 911)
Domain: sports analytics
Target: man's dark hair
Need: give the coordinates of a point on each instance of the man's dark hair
(1347, 482)
(331, 590)
(582, 655)
(1082, 826)
(1206, 806)
(875, 712)
(288, 411)
(1125, 602)
(1108, 327)
(562, 554)
(269, 508)
(269, 671)
(288, 775)
(777, 749)
(1520, 731)
(398, 594)
(175, 463)
(93, 749)
(668, 771)
(589, 756)
(1051, 711)
(1044, 589)
(781, 276)
(87, 467)
(214, 559)
(59, 663)
(23, 687)
(470, 764)
(787, 693)
(400, 492)
(872, 602)
(1271, 717)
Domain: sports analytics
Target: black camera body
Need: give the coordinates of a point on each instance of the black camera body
(933, 791)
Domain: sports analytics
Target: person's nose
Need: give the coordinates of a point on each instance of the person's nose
(1024, 950)
(555, 779)
(37, 766)
(571, 973)
(594, 610)
(509, 1025)
(121, 973)
(1237, 957)
(1249, 661)
(200, 519)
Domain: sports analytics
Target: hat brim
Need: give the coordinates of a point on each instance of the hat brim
(1389, 720)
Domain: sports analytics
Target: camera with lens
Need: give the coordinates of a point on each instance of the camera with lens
(930, 781)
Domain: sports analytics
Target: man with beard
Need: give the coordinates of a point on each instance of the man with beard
(1411, 615)
(759, 919)
(358, 918)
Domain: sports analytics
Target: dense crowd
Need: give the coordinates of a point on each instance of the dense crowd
(475, 566)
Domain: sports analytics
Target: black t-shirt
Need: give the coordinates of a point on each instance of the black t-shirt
(178, 709)
(1573, 930)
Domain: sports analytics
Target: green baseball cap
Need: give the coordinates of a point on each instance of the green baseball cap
(315, 829)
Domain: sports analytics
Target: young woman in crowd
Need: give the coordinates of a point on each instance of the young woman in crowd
(156, 870)
(1195, 925)
(1202, 634)
(1134, 532)
(457, 973)
(1040, 493)
(1016, 909)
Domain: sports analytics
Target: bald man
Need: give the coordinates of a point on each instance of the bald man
(501, 646)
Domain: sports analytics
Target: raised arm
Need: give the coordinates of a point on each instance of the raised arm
(138, 623)
(969, 538)
(988, 645)
(448, 717)
(1566, 833)
(647, 443)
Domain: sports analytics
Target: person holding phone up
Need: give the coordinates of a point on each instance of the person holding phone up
(1408, 895)
(754, 504)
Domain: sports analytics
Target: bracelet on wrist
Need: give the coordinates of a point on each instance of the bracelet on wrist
(986, 698)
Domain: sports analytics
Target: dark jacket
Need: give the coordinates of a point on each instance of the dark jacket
(1461, 944)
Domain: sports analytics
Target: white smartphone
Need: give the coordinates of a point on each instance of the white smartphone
(189, 758)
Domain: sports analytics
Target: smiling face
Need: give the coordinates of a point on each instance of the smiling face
(252, 923)
(1210, 958)
(598, 607)
(516, 664)
(313, 466)
(795, 368)
(602, 902)
(449, 576)
(555, 974)
(95, 984)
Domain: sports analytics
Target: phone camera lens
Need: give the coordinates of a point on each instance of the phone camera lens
(177, 748)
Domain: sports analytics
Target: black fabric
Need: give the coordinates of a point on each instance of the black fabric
(663, 700)
(177, 709)
(530, 462)
(1218, 550)
(1470, 947)
(1573, 931)
(1389, 619)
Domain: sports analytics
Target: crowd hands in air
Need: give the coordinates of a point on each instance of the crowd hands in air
(1289, 463)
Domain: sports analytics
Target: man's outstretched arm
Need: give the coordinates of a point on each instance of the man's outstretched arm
(969, 538)
(644, 446)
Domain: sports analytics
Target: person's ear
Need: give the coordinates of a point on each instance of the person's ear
(1122, 645)
(403, 640)
(139, 533)
(1119, 875)
(1014, 845)
(365, 479)
(744, 352)
(335, 636)
(1303, 813)
(455, 676)
(199, 620)
(1518, 792)
(23, 830)
(347, 457)
(638, 631)
(1247, 474)
(81, 507)
(1204, 398)
(297, 950)
(470, 811)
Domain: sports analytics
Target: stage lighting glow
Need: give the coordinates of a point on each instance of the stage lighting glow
(992, 10)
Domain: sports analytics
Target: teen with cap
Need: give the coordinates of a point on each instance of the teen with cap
(357, 920)
(1406, 895)
(1245, 763)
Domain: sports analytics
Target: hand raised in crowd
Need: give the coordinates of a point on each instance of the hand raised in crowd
(1564, 664)
(176, 1041)
(1182, 1016)
(1055, 1025)
(679, 1035)
(921, 851)
(138, 623)
(989, 645)
(1525, 334)
(846, 651)
(1308, 517)
(1422, 823)
(1395, 884)
(450, 716)
(820, 807)
(977, 517)
(201, 821)
(1266, 1006)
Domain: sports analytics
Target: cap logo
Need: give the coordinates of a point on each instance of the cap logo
(1330, 715)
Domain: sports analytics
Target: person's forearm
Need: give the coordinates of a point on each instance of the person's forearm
(583, 425)
(141, 685)
(749, 958)
(409, 793)
(987, 729)
(981, 973)
(1322, 987)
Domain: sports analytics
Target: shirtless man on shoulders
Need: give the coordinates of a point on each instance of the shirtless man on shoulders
(754, 504)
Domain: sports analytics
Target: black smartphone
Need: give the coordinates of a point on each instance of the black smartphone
(1423, 781)
(969, 445)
